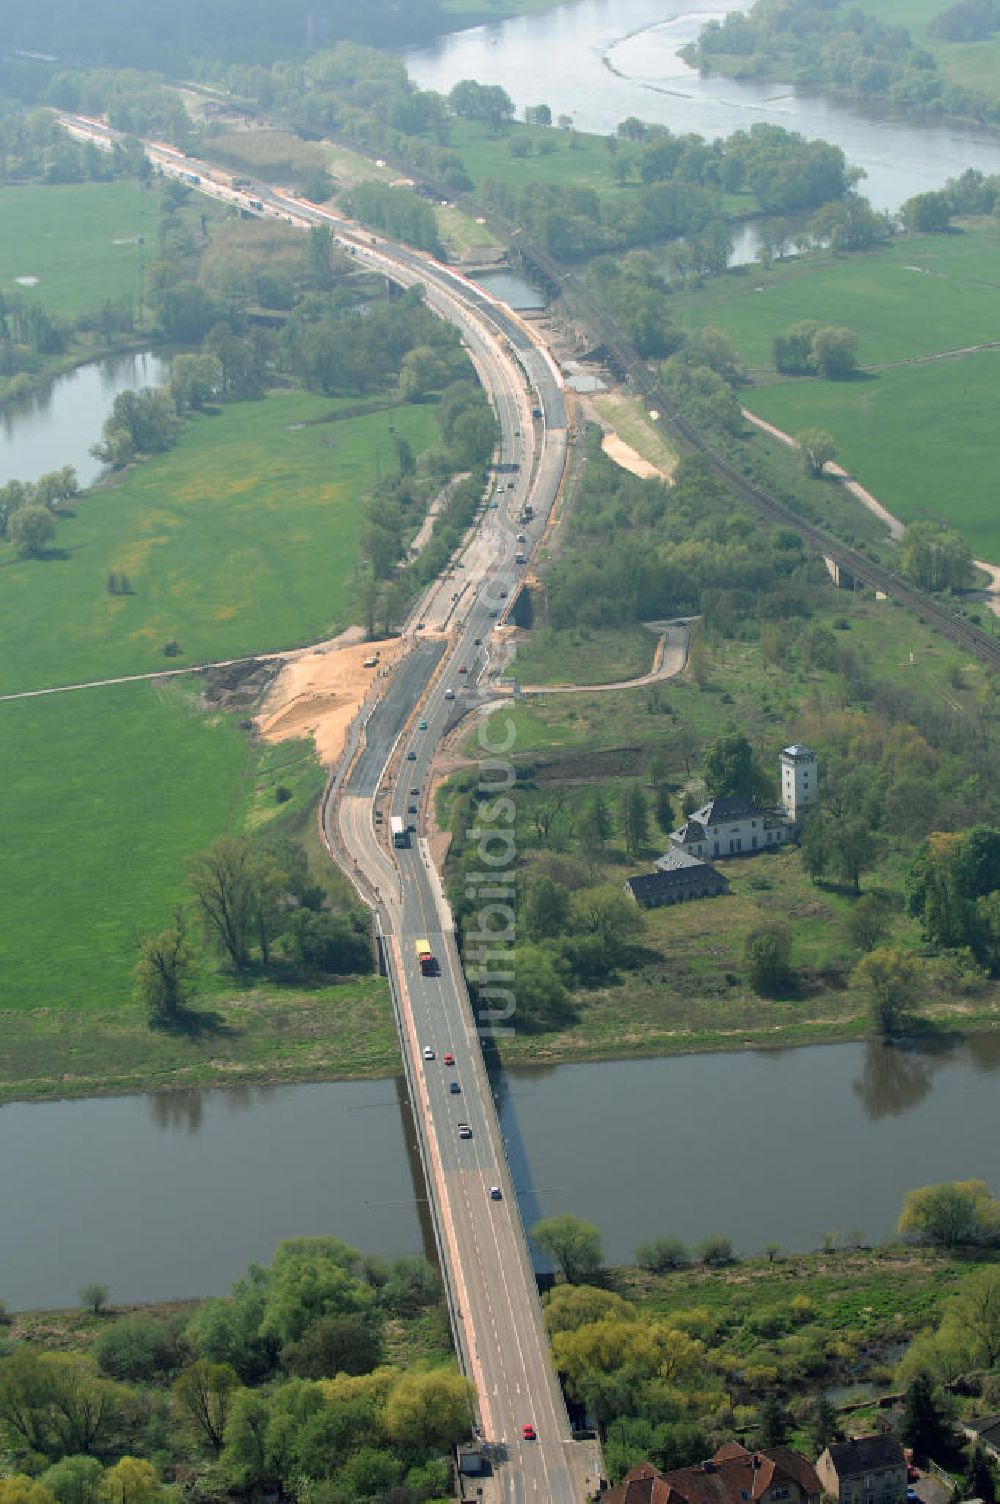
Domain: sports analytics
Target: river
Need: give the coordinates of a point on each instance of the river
(601, 61)
(173, 1194)
(57, 425)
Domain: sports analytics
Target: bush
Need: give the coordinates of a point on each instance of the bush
(661, 1254)
(714, 1252)
(140, 1348)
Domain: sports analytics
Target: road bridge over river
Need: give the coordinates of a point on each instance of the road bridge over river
(492, 1291)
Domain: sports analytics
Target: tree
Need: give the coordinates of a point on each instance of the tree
(311, 1278)
(955, 1214)
(973, 1314)
(926, 212)
(834, 353)
(818, 448)
(140, 1348)
(537, 114)
(73, 1480)
(568, 1307)
(634, 818)
(195, 380)
(815, 845)
(545, 910)
(573, 1245)
(661, 1254)
(822, 1423)
(935, 556)
(767, 950)
(542, 999)
(31, 530)
(93, 1297)
(774, 1422)
(980, 1482)
(54, 1403)
(714, 1251)
(334, 1344)
(132, 1480)
(853, 850)
(223, 881)
(429, 1411)
(890, 976)
(162, 974)
(594, 825)
(19, 1489)
(868, 920)
(202, 1396)
(729, 767)
(924, 1426)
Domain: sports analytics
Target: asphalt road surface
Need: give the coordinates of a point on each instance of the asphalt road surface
(484, 1250)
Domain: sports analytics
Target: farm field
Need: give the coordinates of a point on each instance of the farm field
(899, 430)
(112, 789)
(919, 295)
(243, 538)
(79, 239)
(116, 788)
(976, 65)
(919, 437)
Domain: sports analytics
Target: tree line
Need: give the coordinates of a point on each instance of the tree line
(837, 46)
(286, 1386)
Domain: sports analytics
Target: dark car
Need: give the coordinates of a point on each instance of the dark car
(414, 792)
(454, 1088)
(411, 809)
(411, 756)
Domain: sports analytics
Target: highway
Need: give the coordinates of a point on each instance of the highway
(496, 1314)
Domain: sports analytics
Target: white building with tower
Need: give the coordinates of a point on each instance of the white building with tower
(729, 826)
(732, 826)
(799, 781)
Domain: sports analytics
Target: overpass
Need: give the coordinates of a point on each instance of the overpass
(492, 1294)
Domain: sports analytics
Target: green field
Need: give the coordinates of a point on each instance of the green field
(690, 991)
(81, 240)
(113, 789)
(243, 538)
(586, 656)
(909, 432)
(919, 437)
(899, 313)
(976, 65)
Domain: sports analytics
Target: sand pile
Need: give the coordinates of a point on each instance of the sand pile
(318, 693)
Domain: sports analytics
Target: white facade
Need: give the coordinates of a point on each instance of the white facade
(799, 781)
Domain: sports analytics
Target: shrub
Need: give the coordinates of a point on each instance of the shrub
(714, 1252)
(140, 1348)
(661, 1254)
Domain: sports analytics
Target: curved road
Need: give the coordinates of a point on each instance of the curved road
(496, 1313)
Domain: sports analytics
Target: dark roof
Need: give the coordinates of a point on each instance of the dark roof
(649, 885)
(690, 831)
(862, 1453)
(987, 1427)
(723, 811)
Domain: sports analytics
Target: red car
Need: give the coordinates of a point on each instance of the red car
(528, 1431)
(449, 1058)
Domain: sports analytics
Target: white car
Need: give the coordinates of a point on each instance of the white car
(428, 1052)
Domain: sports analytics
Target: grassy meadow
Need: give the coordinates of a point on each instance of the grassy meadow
(691, 991)
(116, 789)
(243, 538)
(975, 65)
(81, 240)
(901, 423)
(585, 656)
